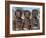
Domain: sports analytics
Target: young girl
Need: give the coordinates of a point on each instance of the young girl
(35, 19)
(26, 23)
(18, 20)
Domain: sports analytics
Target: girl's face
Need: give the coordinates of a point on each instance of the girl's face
(34, 13)
(18, 14)
(27, 14)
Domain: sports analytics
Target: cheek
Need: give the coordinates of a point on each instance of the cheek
(18, 14)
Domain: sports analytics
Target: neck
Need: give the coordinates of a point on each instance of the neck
(18, 17)
(27, 18)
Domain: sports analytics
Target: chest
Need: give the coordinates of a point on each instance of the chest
(26, 21)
